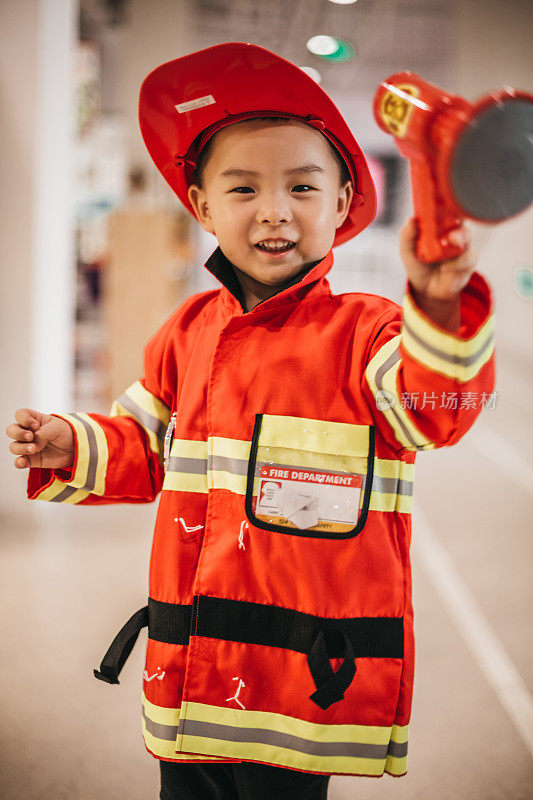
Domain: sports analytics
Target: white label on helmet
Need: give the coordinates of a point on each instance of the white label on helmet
(190, 105)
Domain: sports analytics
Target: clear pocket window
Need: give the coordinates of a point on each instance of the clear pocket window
(309, 477)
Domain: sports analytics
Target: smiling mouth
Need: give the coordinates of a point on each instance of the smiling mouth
(275, 246)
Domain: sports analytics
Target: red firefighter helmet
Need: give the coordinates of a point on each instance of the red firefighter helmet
(186, 101)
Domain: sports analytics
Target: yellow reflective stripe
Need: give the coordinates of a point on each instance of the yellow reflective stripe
(396, 766)
(163, 720)
(91, 464)
(340, 438)
(276, 755)
(148, 411)
(160, 714)
(93, 454)
(57, 493)
(159, 747)
(443, 351)
(372, 734)
(192, 470)
(84, 451)
(181, 482)
(167, 749)
(387, 501)
(230, 448)
(233, 483)
(284, 740)
(446, 342)
(187, 468)
(149, 402)
(381, 374)
(187, 448)
(311, 459)
(400, 733)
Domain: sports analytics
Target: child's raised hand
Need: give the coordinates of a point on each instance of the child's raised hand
(443, 280)
(41, 440)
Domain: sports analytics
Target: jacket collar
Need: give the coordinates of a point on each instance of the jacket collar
(310, 278)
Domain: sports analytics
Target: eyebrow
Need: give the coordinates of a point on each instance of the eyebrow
(305, 168)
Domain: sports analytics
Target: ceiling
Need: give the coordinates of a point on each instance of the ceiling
(389, 36)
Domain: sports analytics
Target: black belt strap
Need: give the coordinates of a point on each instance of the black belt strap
(330, 685)
(320, 638)
(257, 623)
(121, 647)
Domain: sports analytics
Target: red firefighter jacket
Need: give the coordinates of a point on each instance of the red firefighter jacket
(279, 617)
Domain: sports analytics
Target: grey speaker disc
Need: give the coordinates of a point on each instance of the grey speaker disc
(492, 166)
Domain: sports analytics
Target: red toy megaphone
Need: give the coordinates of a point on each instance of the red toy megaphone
(473, 161)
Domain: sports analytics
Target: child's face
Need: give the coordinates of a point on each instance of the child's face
(267, 181)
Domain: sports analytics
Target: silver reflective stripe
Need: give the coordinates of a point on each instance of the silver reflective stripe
(212, 730)
(397, 749)
(464, 361)
(93, 454)
(166, 732)
(147, 420)
(388, 364)
(192, 466)
(239, 466)
(62, 496)
(390, 485)
(90, 481)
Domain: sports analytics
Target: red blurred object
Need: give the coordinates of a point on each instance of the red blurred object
(207, 90)
(467, 160)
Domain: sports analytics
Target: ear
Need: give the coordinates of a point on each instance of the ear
(198, 201)
(344, 202)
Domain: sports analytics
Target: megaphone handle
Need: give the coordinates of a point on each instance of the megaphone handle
(435, 220)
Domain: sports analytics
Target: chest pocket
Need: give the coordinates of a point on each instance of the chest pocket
(309, 477)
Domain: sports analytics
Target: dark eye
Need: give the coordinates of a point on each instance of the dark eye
(242, 189)
(302, 187)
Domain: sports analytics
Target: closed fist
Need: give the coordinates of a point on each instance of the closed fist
(444, 280)
(41, 440)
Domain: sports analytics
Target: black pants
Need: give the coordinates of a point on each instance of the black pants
(246, 781)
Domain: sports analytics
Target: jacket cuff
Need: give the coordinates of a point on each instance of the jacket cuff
(88, 471)
(458, 355)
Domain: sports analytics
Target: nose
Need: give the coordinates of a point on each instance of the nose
(274, 210)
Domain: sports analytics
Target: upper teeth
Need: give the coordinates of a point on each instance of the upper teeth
(274, 244)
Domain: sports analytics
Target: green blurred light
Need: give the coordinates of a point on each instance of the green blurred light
(523, 281)
(331, 49)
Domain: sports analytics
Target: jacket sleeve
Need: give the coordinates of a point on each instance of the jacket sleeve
(427, 385)
(118, 458)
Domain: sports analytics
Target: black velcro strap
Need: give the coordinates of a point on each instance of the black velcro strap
(256, 623)
(169, 622)
(121, 647)
(330, 685)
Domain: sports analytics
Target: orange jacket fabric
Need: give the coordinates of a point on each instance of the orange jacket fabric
(284, 511)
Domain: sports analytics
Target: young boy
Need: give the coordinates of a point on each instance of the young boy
(279, 614)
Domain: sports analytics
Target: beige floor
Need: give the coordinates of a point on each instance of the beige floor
(71, 575)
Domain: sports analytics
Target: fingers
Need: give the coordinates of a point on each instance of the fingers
(29, 421)
(28, 418)
(408, 237)
(20, 449)
(23, 462)
(19, 433)
(461, 236)
(457, 272)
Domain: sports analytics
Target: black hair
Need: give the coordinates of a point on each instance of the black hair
(203, 158)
